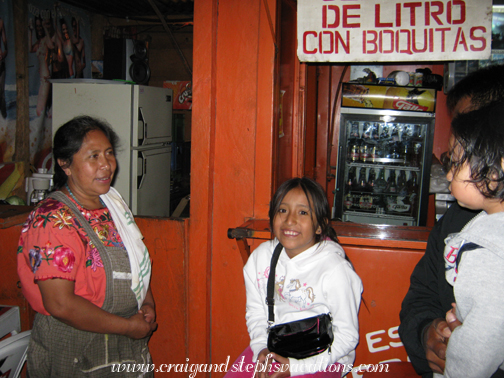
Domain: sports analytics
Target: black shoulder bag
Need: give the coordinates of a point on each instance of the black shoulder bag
(301, 338)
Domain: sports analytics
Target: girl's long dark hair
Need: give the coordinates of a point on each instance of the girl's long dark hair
(316, 199)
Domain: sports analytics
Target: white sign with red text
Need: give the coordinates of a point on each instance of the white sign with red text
(393, 30)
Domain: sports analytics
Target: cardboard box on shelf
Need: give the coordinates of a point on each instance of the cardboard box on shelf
(182, 93)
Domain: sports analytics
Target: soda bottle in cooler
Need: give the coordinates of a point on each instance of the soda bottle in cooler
(350, 179)
(394, 131)
(416, 154)
(394, 151)
(402, 189)
(354, 150)
(371, 180)
(367, 131)
(364, 152)
(384, 131)
(354, 131)
(413, 191)
(392, 184)
(406, 152)
(375, 133)
(380, 183)
(375, 153)
(362, 180)
(348, 201)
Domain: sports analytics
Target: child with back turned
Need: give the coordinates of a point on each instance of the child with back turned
(312, 278)
(474, 257)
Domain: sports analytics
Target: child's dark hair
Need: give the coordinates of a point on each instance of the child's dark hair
(316, 199)
(482, 87)
(480, 134)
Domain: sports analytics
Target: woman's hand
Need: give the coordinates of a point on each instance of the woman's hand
(139, 327)
(148, 312)
(148, 308)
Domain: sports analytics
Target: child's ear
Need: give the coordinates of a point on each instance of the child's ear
(319, 230)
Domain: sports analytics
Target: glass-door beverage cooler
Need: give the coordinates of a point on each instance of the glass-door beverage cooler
(385, 154)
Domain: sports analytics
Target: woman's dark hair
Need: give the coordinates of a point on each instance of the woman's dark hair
(480, 134)
(68, 141)
(316, 198)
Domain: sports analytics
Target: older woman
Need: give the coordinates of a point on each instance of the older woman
(83, 266)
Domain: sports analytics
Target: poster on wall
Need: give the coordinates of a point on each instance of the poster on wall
(393, 31)
(59, 42)
(7, 82)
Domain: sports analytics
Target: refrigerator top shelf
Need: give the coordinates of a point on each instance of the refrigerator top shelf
(381, 215)
(386, 166)
(377, 113)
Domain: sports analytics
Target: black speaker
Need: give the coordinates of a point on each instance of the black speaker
(126, 59)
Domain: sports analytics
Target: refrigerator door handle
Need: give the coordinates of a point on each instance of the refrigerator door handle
(142, 170)
(142, 132)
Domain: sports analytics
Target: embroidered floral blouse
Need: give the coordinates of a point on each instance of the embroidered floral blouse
(53, 244)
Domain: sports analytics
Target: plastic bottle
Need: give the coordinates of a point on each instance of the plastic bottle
(362, 180)
(364, 152)
(392, 184)
(350, 179)
(402, 189)
(413, 192)
(371, 180)
(380, 183)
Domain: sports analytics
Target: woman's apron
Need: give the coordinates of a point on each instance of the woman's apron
(59, 350)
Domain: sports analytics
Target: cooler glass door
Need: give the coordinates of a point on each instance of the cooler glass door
(383, 166)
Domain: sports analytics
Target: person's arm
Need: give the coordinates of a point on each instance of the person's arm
(256, 317)
(475, 348)
(61, 302)
(423, 326)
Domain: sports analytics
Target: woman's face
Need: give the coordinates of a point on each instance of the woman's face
(92, 168)
(39, 28)
(64, 30)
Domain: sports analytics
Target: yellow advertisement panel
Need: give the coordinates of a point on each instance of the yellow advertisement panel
(388, 97)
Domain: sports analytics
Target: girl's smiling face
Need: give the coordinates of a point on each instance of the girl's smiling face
(294, 224)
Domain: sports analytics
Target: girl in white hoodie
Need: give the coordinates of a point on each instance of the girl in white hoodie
(312, 277)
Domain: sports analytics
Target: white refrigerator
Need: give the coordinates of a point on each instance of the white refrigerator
(142, 118)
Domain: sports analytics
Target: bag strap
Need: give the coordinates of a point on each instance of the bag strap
(270, 301)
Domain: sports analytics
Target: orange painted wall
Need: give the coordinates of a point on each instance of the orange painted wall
(231, 164)
(10, 292)
(166, 240)
(385, 275)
